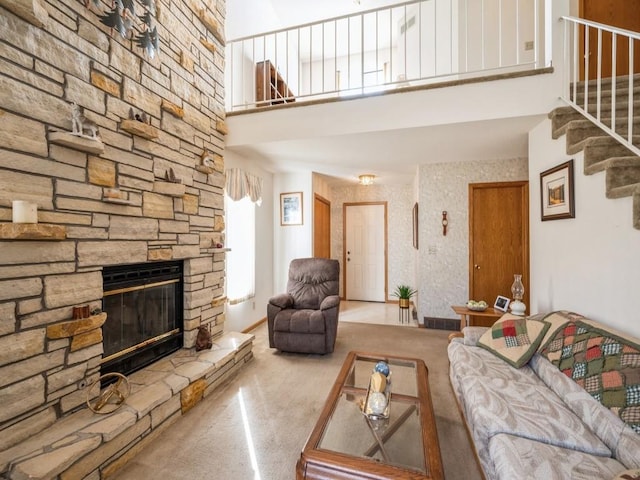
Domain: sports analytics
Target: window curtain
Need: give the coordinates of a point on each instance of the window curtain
(243, 193)
(240, 184)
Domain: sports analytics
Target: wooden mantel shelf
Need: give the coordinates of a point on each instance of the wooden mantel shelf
(32, 231)
(140, 129)
(77, 142)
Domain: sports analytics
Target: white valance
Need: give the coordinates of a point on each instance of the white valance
(240, 184)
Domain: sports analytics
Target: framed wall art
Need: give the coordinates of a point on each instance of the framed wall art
(556, 192)
(291, 208)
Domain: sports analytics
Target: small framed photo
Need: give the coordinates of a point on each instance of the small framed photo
(556, 192)
(502, 303)
(291, 208)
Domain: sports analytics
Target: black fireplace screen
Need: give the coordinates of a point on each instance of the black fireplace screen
(143, 303)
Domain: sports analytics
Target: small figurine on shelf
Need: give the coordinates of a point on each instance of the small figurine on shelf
(207, 159)
(81, 124)
(170, 176)
(140, 117)
(203, 339)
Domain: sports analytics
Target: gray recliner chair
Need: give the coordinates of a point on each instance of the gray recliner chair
(305, 319)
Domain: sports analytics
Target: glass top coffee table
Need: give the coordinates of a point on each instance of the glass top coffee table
(347, 444)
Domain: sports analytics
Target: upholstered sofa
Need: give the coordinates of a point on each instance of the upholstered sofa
(570, 411)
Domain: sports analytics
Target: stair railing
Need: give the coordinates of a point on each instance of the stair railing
(587, 45)
(407, 44)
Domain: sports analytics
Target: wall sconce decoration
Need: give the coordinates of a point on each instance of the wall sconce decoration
(137, 27)
(445, 222)
(367, 179)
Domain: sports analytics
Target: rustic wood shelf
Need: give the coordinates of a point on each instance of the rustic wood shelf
(77, 142)
(139, 129)
(75, 326)
(114, 195)
(205, 169)
(211, 24)
(218, 301)
(221, 126)
(32, 231)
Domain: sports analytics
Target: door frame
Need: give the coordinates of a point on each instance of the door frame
(525, 230)
(344, 245)
(321, 199)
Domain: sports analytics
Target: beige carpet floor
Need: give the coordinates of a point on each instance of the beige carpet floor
(255, 426)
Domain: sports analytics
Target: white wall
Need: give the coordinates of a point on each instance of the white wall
(292, 241)
(443, 270)
(589, 264)
(245, 314)
(496, 33)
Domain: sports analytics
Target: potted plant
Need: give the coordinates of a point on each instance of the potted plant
(404, 294)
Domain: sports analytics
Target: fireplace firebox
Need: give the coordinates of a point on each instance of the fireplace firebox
(144, 310)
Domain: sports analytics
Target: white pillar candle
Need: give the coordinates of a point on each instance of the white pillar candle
(25, 212)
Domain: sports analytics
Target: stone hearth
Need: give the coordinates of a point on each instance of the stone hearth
(90, 445)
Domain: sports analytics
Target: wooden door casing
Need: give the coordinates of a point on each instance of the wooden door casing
(617, 13)
(321, 227)
(498, 239)
(370, 253)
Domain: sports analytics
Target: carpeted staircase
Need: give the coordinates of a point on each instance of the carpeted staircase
(601, 151)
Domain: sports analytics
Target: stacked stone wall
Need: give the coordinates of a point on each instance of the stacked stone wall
(106, 201)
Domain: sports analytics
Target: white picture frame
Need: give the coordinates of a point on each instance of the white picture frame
(501, 304)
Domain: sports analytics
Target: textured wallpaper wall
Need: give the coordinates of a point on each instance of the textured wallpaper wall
(443, 265)
(401, 254)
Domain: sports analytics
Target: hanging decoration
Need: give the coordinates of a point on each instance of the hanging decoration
(139, 28)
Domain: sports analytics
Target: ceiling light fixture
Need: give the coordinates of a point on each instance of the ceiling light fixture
(367, 179)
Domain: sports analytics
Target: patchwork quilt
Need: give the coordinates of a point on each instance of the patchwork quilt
(606, 365)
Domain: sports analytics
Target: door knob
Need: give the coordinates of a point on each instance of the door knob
(476, 266)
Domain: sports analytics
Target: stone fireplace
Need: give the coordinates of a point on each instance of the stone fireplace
(138, 193)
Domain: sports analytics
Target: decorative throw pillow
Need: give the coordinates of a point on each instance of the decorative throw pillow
(514, 339)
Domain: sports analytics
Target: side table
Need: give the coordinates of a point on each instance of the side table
(465, 313)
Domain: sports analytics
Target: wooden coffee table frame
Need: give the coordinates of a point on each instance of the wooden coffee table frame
(320, 464)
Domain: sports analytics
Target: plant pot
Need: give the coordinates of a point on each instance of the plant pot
(404, 302)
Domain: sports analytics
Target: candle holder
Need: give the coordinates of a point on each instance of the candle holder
(24, 212)
(517, 290)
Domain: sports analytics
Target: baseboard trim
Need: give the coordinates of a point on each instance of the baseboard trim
(255, 325)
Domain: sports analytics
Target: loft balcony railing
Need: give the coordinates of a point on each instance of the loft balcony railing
(408, 44)
(602, 77)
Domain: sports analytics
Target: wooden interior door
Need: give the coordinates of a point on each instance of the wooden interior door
(617, 13)
(321, 227)
(498, 240)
